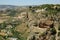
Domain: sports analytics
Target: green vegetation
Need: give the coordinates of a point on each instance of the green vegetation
(59, 27)
(12, 12)
(18, 22)
(2, 25)
(53, 31)
(1, 38)
(33, 38)
(58, 33)
(53, 38)
(17, 35)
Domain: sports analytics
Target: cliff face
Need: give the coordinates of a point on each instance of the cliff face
(30, 22)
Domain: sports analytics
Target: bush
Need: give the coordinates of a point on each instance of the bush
(33, 38)
(58, 33)
(1, 38)
(2, 25)
(12, 13)
(53, 31)
(59, 28)
(53, 38)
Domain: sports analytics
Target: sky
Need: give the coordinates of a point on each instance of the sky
(28, 2)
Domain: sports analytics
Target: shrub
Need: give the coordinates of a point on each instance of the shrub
(53, 31)
(1, 38)
(59, 28)
(2, 25)
(58, 33)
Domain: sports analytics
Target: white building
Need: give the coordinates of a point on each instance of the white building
(12, 38)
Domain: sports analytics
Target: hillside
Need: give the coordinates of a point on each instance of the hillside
(30, 22)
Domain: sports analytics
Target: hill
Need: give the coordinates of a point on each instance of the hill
(40, 22)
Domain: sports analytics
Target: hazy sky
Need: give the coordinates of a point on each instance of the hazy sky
(28, 2)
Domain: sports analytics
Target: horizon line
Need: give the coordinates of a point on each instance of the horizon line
(28, 5)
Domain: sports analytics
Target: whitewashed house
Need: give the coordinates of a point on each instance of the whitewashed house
(12, 38)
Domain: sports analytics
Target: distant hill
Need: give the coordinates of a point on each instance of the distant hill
(7, 6)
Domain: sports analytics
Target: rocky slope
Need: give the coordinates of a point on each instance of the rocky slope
(30, 22)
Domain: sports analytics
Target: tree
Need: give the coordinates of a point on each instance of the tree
(30, 7)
